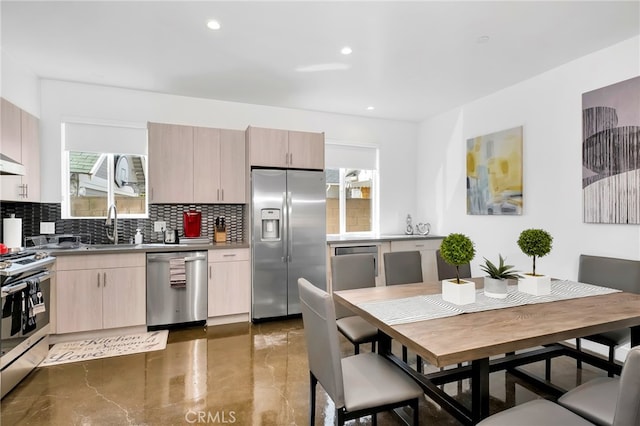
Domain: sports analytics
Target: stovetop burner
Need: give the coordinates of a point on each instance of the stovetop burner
(4, 264)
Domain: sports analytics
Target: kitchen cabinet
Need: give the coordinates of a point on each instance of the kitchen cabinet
(170, 162)
(229, 291)
(20, 141)
(95, 292)
(285, 149)
(219, 161)
(196, 165)
(427, 249)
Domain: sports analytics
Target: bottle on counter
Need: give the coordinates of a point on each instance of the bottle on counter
(138, 236)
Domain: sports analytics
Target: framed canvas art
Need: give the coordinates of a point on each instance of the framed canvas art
(611, 153)
(494, 173)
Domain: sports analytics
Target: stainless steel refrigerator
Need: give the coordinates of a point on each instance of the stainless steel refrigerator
(288, 238)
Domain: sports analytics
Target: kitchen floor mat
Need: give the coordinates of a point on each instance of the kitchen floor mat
(104, 347)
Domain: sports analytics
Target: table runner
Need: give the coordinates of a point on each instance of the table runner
(421, 308)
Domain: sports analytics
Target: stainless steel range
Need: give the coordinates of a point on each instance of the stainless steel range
(24, 331)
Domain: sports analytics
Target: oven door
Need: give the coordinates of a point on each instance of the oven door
(24, 321)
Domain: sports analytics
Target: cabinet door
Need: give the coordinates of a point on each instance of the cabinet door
(306, 150)
(11, 146)
(123, 297)
(170, 163)
(206, 165)
(30, 157)
(229, 288)
(268, 147)
(78, 301)
(233, 167)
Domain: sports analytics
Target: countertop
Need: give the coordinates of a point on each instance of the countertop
(145, 248)
(342, 239)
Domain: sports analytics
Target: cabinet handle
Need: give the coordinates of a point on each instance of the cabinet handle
(151, 194)
(209, 271)
(104, 279)
(419, 245)
(228, 255)
(218, 195)
(26, 190)
(222, 194)
(98, 279)
(291, 159)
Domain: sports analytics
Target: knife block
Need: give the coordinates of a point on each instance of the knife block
(220, 235)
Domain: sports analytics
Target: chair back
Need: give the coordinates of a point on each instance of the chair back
(351, 271)
(621, 274)
(403, 267)
(447, 271)
(628, 404)
(321, 335)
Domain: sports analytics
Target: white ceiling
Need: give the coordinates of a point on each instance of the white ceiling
(410, 59)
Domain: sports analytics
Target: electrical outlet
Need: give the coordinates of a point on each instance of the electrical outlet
(159, 226)
(47, 228)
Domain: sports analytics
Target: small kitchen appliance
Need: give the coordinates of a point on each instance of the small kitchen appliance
(191, 221)
(171, 236)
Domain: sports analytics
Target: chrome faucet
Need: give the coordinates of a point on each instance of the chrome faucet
(113, 237)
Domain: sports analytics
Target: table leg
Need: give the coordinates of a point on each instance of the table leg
(479, 389)
(635, 336)
(384, 343)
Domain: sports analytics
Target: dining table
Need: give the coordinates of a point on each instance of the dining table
(488, 340)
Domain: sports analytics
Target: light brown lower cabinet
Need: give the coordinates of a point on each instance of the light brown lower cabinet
(95, 292)
(229, 291)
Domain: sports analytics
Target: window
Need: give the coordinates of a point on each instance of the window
(351, 177)
(104, 165)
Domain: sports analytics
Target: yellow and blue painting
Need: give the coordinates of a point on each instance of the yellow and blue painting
(494, 173)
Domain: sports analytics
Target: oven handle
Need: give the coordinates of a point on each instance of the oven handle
(22, 284)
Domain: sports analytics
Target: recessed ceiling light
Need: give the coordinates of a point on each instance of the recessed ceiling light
(483, 39)
(370, 108)
(323, 67)
(213, 24)
(346, 50)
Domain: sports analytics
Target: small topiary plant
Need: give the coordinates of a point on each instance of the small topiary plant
(535, 243)
(500, 272)
(456, 250)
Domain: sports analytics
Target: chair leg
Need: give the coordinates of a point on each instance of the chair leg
(416, 414)
(374, 419)
(547, 369)
(578, 348)
(405, 355)
(419, 363)
(356, 348)
(340, 417)
(312, 397)
(612, 358)
(373, 346)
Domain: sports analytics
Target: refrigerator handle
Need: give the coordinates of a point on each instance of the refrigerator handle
(289, 231)
(285, 227)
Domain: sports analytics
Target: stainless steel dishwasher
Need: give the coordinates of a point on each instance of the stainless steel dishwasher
(176, 288)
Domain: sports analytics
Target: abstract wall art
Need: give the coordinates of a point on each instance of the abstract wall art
(494, 173)
(611, 153)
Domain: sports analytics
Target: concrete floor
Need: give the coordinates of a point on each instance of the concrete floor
(244, 374)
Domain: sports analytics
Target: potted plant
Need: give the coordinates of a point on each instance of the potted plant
(456, 250)
(495, 284)
(535, 243)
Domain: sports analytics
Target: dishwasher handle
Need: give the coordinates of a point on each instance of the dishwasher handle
(166, 257)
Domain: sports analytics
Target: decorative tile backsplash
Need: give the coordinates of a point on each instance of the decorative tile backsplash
(34, 213)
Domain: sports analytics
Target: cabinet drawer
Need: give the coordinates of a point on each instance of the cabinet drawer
(415, 245)
(228, 255)
(99, 261)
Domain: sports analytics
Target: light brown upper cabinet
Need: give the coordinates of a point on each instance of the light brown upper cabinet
(170, 163)
(20, 141)
(196, 165)
(286, 149)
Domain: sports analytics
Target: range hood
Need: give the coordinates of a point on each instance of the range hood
(10, 167)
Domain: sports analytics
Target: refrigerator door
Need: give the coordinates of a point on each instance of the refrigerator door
(306, 217)
(269, 267)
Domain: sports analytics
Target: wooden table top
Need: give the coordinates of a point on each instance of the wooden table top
(466, 337)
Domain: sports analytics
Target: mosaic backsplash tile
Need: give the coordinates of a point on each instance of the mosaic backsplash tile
(34, 213)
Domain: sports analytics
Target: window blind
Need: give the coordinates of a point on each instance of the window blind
(343, 156)
(104, 138)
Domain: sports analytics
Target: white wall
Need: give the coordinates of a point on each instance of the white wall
(19, 85)
(549, 106)
(395, 140)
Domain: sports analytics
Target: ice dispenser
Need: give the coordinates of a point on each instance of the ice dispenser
(270, 224)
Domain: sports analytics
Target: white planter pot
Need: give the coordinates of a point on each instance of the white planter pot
(538, 285)
(460, 294)
(495, 288)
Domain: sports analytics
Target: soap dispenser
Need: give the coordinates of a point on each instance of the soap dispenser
(138, 237)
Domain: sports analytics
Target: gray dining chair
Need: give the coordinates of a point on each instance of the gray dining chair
(359, 385)
(603, 401)
(621, 274)
(447, 271)
(404, 267)
(349, 272)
